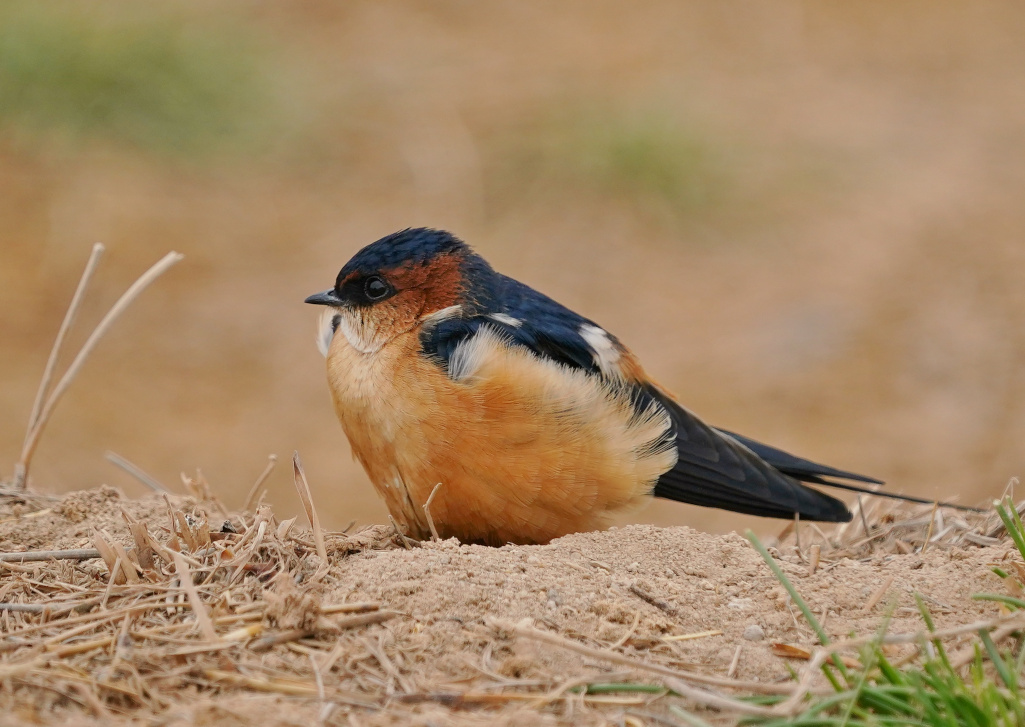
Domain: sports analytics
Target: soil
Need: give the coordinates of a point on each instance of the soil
(851, 292)
(448, 654)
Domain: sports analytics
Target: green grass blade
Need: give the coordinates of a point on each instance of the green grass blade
(1014, 525)
(805, 609)
(691, 719)
(1009, 600)
(998, 661)
(929, 624)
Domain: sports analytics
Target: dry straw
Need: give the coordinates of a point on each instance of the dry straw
(303, 488)
(207, 613)
(46, 399)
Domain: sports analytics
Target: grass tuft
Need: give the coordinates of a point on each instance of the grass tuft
(986, 692)
(72, 73)
(663, 166)
(654, 159)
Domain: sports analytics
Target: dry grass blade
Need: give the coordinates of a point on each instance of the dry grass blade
(530, 632)
(24, 607)
(719, 701)
(365, 619)
(135, 471)
(692, 636)
(878, 594)
(265, 643)
(350, 622)
(83, 647)
(109, 557)
(427, 513)
(407, 542)
(93, 619)
(185, 579)
(46, 411)
(31, 556)
(966, 655)
(793, 704)
(355, 607)
(21, 472)
(654, 600)
(128, 565)
(793, 651)
(928, 531)
(271, 461)
(1008, 622)
(279, 686)
(7, 671)
(303, 487)
(735, 662)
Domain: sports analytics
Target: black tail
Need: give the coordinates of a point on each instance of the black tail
(714, 469)
(717, 468)
(808, 471)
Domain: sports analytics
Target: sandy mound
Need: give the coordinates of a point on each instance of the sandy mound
(393, 632)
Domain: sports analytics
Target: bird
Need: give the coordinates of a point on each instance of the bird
(520, 420)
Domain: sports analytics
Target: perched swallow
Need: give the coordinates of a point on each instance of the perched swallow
(536, 421)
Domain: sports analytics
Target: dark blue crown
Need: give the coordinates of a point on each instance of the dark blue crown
(415, 245)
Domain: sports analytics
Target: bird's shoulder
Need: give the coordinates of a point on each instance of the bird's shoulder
(519, 316)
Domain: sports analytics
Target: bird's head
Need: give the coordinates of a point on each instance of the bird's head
(393, 285)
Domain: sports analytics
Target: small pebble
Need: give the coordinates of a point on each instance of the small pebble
(754, 632)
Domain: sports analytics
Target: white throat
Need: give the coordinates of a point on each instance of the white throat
(359, 330)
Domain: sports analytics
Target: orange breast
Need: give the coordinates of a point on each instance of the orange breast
(525, 450)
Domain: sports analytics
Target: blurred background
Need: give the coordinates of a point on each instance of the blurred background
(807, 218)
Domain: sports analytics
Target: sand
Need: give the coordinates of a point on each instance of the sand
(452, 643)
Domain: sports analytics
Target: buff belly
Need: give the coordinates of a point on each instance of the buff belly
(525, 450)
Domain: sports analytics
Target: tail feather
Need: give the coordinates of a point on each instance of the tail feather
(717, 468)
(815, 473)
(796, 467)
(896, 495)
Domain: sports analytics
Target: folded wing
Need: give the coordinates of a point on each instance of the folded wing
(715, 468)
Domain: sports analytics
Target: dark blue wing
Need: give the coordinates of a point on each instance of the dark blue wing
(524, 317)
(714, 468)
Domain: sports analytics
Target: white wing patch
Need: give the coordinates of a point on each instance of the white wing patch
(603, 350)
(506, 320)
(439, 315)
(471, 353)
(327, 326)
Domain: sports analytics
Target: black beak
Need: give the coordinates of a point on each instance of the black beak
(328, 297)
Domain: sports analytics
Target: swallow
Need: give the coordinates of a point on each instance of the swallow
(531, 420)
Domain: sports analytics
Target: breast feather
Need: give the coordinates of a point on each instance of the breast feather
(557, 437)
(526, 449)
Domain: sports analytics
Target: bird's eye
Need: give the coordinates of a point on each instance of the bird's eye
(375, 288)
